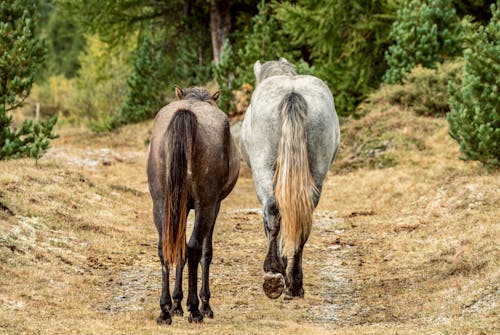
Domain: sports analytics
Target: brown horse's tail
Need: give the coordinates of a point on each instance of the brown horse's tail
(294, 184)
(180, 136)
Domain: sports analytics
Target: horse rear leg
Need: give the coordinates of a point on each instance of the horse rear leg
(165, 299)
(206, 260)
(205, 216)
(294, 276)
(177, 294)
(274, 263)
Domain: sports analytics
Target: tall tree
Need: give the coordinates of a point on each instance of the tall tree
(21, 53)
(115, 19)
(343, 40)
(475, 117)
(220, 25)
(65, 42)
(425, 32)
(146, 89)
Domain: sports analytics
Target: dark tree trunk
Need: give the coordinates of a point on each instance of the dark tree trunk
(220, 25)
(188, 5)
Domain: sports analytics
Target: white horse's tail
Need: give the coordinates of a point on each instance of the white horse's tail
(294, 184)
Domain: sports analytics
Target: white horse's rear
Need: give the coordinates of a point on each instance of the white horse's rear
(290, 136)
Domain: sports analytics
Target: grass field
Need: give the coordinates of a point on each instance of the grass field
(405, 241)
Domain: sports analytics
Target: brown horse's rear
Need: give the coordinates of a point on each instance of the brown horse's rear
(192, 159)
(193, 164)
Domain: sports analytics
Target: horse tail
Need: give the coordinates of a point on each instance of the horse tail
(180, 136)
(294, 184)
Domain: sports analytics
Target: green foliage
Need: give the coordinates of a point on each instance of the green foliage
(423, 91)
(116, 21)
(425, 32)
(101, 84)
(146, 85)
(192, 62)
(30, 140)
(21, 54)
(475, 117)
(225, 77)
(65, 41)
(343, 41)
(264, 40)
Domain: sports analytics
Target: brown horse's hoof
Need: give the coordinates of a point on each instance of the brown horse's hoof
(290, 294)
(206, 310)
(177, 310)
(195, 317)
(274, 284)
(164, 319)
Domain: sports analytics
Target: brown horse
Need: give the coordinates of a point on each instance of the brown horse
(193, 164)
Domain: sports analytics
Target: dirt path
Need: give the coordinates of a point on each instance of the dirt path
(405, 250)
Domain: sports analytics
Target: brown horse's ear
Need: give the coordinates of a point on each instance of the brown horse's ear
(179, 92)
(216, 95)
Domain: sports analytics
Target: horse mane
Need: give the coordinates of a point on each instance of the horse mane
(276, 68)
(198, 93)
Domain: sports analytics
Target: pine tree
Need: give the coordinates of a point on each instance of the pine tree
(192, 61)
(21, 52)
(475, 117)
(425, 32)
(225, 77)
(146, 86)
(264, 40)
(343, 41)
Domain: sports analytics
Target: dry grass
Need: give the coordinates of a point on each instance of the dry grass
(403, 248)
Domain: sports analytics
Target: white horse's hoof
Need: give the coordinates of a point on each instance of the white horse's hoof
(274, 284)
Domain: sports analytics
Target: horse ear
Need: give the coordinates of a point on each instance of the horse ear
(284, 60)
(256, 68)
(179, 92)
(216, 95)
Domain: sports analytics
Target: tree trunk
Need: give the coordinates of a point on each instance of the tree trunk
(188, 6)
(220, 25)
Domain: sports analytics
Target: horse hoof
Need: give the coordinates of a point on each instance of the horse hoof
(195, 317)
(290, 294)
(274, 284)
(177, 311)
(207, 311)
(164, 319)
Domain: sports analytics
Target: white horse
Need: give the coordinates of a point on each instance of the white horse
(290, 136)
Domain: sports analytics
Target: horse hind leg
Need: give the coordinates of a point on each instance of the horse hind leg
(294, 277)
(177, 294)
(206, 260)
(274, 263)
(205, 216)
(165, 299)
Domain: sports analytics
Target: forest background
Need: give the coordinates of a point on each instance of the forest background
(405, 239)
(109, 63)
